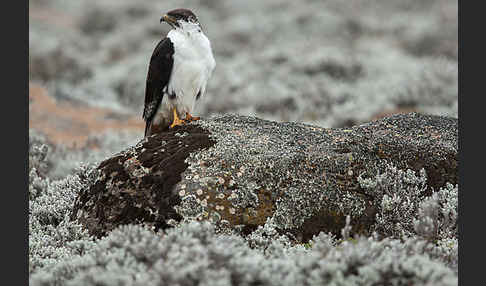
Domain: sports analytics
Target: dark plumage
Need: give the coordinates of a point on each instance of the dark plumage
(182, 14)
(158, 77)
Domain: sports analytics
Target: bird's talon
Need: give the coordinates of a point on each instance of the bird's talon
(177, 120)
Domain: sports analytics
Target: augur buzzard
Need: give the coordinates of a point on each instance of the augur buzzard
(178, 73)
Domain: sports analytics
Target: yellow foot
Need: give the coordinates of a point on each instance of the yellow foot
(176, 121)
(191, 118)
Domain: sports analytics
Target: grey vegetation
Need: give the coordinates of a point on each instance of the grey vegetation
(52, 236)
(59, 161)
(194, 254)
(397, 195)
(332, 64)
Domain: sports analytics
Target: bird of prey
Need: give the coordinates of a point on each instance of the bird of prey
(178, 73)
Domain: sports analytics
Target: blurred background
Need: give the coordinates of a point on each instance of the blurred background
(331, 63)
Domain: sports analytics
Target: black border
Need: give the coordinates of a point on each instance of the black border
(15, 143)
(460, 146)
(471, 129)
(467, 268)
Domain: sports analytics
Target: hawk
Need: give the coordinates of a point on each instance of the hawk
(178, 73)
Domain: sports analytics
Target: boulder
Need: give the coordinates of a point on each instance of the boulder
(238, 171)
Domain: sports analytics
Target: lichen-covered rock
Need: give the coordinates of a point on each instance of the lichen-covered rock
(135, 186)
(238, 171)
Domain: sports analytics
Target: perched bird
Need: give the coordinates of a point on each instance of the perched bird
(178, 73)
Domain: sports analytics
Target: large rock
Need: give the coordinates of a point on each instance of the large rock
(238, 171)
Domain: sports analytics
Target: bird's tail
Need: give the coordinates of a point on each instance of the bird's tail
(148, 127)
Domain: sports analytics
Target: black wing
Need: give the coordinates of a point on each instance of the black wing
(158, 76)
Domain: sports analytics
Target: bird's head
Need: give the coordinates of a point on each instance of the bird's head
(179, 18)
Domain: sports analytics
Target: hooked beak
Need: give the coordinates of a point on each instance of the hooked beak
(168, 19)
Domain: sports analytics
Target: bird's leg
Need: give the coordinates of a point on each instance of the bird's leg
(190, 118)
(176, 121)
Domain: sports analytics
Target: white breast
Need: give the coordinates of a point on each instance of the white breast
(193, 66)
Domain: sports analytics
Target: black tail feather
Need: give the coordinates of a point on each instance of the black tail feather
(148, 128)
